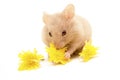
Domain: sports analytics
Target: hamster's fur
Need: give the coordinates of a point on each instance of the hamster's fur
(66, 29)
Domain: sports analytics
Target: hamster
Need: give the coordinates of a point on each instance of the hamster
(66, 29)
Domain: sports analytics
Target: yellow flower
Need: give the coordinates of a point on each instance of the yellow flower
(29, 60)
(57, 56)
(88, 52)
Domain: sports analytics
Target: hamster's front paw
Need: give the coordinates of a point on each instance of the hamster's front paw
(67, 55)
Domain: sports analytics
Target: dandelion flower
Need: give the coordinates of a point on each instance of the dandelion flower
(88, 52)
(57, 56)
(29, 60)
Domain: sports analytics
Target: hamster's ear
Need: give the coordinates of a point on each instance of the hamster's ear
(68, 12)
(46, 18)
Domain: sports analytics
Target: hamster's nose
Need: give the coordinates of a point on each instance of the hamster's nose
(59, 46)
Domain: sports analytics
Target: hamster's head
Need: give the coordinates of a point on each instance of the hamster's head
(59, 27)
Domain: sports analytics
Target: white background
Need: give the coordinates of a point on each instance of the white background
(20, 29)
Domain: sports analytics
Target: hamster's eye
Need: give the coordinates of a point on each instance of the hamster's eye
(50, 34)
(63, 33)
